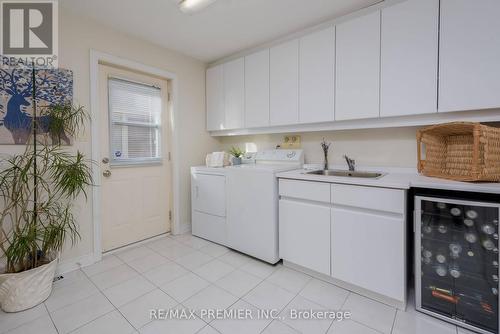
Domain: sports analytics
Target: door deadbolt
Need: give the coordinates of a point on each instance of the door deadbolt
(105, 160)
(106, 173)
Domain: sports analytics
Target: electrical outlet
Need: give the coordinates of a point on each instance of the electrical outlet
(292, 141)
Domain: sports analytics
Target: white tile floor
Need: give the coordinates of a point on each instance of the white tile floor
(188, 273)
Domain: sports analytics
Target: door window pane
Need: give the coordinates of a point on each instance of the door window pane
(135, 122)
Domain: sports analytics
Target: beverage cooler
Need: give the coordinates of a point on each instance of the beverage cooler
(456, 260)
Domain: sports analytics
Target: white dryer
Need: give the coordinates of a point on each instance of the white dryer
(252, 202)
(208, 203)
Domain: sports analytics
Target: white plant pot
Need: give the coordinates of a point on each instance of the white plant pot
(24, 290)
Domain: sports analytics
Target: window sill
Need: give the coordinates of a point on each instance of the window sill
(136, 163)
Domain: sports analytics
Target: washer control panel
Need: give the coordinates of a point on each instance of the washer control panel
(278, 156)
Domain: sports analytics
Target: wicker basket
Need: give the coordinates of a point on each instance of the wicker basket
(460, 151)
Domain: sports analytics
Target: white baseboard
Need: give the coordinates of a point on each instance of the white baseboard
(184, 228)
(86, 260)
(399, 304)
(135, 244)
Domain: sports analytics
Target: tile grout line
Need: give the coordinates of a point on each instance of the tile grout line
(284, 308)
(261, 280)
(101, 291)
(394, 321)
(213, 284)
(151, 321)
(194, 273)
(121, 263)
(115, 308)
(341, 306)
(50, 317)
(213, 258)
(363, 324)
(27, 322)
(91, 321)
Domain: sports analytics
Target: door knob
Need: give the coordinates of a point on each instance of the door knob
(106, 173)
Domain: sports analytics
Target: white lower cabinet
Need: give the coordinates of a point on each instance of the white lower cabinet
(304, 234)
(354, 234)
(368, 251)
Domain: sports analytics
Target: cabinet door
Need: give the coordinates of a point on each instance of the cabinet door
(284, 83)
(304, 237)
(208, 194)
(257, 89)
(368, 250)
(358, 68)
(317, 55)
(409, 58)
(234, 93)
(469, 66)
(215, 98)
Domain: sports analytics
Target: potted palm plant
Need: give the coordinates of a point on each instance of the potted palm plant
(37, 190)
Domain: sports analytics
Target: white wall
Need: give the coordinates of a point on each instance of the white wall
(77, 36)
(392, 147)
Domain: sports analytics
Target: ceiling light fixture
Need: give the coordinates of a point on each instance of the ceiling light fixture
(192, 6)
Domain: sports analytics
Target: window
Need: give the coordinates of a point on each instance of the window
(135, 122)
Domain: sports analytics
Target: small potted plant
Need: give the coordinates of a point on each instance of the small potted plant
(237, 154)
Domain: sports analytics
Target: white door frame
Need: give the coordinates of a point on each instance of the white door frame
(96, 58)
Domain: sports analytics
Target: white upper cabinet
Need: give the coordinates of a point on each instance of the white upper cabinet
(234, 93)
(284, 83)
(257, 89)
(409, 58)
(358, 68)
(316, 73)
(469, 55)
(406, 58)
(215, 98)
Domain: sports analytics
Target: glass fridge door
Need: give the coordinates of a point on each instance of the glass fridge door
(456, 261)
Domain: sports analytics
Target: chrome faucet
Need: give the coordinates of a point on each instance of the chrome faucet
(325, 146)
(350, 162)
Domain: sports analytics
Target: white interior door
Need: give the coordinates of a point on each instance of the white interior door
(135, 187)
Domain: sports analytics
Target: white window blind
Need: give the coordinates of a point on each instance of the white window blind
(135, 122)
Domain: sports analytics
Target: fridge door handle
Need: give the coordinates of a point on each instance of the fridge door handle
(414, 220)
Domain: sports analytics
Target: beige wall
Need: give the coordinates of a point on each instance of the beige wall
(392, 147)
(77, 37)
(388, 147)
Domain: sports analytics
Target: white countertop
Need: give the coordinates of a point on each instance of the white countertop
(396, 180)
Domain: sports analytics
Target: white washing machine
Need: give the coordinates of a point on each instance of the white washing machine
(252, 202)
(237, 206)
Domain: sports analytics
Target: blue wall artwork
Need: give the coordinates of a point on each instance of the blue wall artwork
(53, 87)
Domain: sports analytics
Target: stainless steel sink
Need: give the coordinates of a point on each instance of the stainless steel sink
(346, 173)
